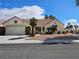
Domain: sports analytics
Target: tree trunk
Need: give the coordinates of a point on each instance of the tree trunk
(32, 31)
(75, 30)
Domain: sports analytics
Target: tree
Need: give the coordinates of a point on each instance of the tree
(52, 17)
(33, 23)
(69, 26)
(76, 26)
(46, 17)
(52, 29)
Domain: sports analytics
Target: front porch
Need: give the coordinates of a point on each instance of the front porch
(41, 30)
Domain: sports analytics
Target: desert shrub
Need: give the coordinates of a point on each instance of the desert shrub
(59, 32)
(63, 32)
(67, 31)
(71, 31)
(49, 33)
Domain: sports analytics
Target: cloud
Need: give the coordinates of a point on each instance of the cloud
(24, 12)
(72, 21)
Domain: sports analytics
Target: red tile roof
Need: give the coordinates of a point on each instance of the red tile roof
(40, 22)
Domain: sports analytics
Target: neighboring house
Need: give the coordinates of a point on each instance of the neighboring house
(72, 28)
(19, 26)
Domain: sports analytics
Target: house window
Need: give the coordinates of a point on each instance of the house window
(38, 30)
(15, 21)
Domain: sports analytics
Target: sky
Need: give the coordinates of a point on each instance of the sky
(64, 10)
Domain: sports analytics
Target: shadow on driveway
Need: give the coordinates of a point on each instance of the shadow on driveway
(16, 38)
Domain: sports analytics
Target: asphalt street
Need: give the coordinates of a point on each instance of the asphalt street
(39, 51)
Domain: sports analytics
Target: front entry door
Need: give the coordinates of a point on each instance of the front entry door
(27, 30)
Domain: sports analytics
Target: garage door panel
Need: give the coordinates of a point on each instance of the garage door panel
(15, 30)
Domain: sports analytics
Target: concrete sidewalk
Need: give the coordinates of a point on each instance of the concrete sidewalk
(20, 41)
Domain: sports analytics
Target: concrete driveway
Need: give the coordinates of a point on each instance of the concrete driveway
(17, 39)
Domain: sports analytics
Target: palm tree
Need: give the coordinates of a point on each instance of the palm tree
(52, 29)
(76, 26)
(46, 17)
(69, 27)
(52, 17)
(33, 23)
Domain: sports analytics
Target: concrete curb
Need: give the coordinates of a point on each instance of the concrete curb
(21, 42)
(29, 42)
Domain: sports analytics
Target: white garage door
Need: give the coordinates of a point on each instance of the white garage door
(15, 30)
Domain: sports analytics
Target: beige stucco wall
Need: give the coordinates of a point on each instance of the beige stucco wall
(60, 25)
(11, 22)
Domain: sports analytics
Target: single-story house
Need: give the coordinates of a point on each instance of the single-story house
(15, 25)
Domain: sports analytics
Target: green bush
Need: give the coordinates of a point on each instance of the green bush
(59, 32)
(71, 31)
(49, 33)
(63, 32)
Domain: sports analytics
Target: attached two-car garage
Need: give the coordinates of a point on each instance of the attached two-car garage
(16, 26)
(15, 30)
